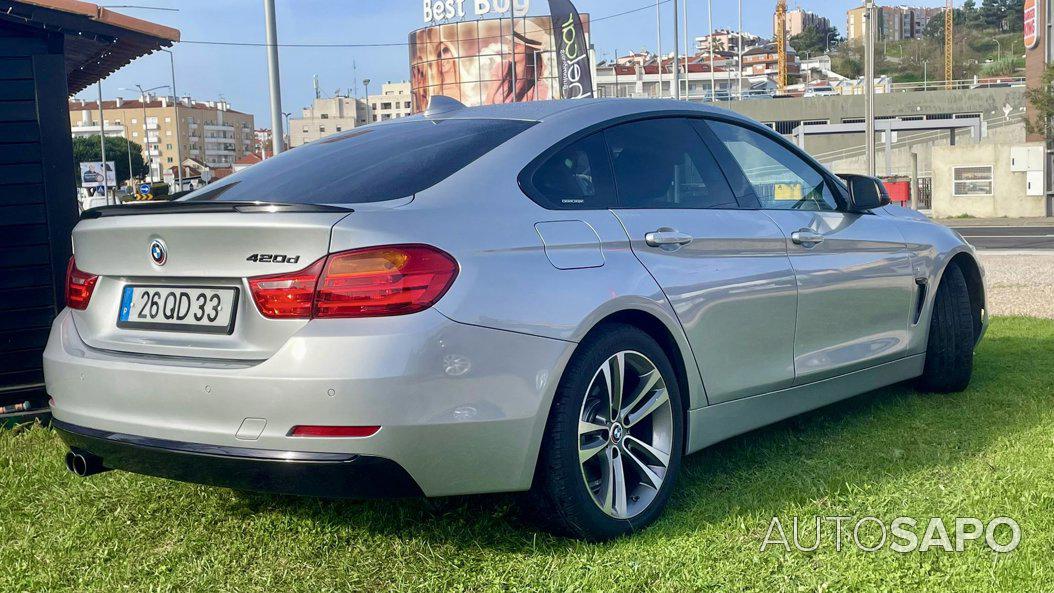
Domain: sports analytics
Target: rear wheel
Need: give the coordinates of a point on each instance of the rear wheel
(612, 447)
(949, 352)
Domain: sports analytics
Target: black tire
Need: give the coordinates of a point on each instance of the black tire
(949, 352)
(559, 498)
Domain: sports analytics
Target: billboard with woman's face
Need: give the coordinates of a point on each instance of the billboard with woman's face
(473, 61)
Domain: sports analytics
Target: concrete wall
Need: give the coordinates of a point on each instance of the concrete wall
(988, 102)
(1008, 191)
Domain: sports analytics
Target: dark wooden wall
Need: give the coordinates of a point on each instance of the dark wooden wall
(37, 203)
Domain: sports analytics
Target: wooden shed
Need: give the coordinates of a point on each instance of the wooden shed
(49, 49)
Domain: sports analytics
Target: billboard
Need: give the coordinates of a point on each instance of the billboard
(1031, 14)
(92, 176)
(477, 62)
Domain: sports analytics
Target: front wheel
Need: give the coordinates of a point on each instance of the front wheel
(949, 352)
(612, 447)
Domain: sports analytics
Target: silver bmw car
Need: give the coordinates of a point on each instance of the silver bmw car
(559, 298)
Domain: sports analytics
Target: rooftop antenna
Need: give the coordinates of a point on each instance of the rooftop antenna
(318, 92)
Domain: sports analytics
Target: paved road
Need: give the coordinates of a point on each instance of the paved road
(1008, 237)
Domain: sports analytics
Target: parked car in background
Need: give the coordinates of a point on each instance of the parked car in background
(561, 298)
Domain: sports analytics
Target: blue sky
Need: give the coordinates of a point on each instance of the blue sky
(239, 74)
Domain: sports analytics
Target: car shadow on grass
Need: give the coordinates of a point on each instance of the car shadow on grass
(855, 444)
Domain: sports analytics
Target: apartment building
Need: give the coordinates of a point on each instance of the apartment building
(725, 40)
(764, 61)
(798, 20)
(894, 23)
(170, 130)
(331, 115)
(395, 100)
(325, 117)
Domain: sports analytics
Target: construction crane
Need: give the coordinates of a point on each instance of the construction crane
(781, 45)
(949, 43)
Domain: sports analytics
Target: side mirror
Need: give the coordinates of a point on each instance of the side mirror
(865, 193)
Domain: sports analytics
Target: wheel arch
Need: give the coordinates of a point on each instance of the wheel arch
(680, 355)
(971, 270)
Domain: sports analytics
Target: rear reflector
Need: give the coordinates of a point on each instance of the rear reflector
(334, 431)
(369, 282)
(79, 286)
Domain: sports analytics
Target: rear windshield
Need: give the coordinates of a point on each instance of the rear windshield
(370, 164)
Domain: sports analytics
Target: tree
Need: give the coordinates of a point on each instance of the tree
(1042, 100)
(87, 149)
(813, 40)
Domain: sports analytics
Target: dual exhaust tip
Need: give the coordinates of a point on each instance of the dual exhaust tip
(84, 464)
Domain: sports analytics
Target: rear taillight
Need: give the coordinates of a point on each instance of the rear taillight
(287, 296)
(369, 282)
(79, 286)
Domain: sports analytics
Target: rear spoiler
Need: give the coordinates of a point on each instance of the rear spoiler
(137, 208)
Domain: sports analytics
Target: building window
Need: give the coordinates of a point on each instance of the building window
(339, 129)
(324, 116)
(134, 121)
(135, 134)
(168, 147)
(305, 130)
(168, 132)
(972, 181)
(322, 129)
(170, 159)
(168, 120)
(386, 105)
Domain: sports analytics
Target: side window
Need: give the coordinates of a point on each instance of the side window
(663, 163)
(781, 179)
(578, 177)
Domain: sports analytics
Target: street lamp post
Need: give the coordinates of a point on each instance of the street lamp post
(366, 82)
(273, 75)
(676, 58)
(286, 115)
(179, 125)
(102, 147)
(146, 131)
(869, 85)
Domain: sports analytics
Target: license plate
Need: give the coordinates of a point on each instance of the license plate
(178, 308)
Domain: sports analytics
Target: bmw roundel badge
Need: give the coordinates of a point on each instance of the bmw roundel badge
(158, 253)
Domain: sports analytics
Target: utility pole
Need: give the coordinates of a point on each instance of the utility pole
(658, 42)
(710, 26)
(273, 75)
(102, 148)
(739, 47)
(687, 52)
(676, 58)
(869, 84)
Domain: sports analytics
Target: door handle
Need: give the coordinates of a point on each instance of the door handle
(806, 238)
(667, 238)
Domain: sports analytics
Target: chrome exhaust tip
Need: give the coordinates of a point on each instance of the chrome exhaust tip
(83, 464)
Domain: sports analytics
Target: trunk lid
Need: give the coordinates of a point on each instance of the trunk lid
(214, 246)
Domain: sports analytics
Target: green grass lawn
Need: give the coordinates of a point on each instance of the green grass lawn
(984, 453)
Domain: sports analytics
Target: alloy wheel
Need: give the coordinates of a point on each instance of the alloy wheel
(625, 434)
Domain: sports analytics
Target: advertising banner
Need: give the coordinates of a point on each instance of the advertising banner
(490, 61)
(576, 77)
(92, 174)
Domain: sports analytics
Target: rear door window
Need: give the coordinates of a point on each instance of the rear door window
(575, 177)
(370, 164)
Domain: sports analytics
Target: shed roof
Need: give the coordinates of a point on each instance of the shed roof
(98, 41)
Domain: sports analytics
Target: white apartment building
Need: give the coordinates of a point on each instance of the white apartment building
(332, 115)
(393, 102)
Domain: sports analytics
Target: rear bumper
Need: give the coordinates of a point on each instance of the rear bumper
(330, 475)
(461, 408)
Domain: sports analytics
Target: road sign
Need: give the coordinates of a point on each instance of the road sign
(144, 188)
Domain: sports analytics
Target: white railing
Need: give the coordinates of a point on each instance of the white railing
(913, 138)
